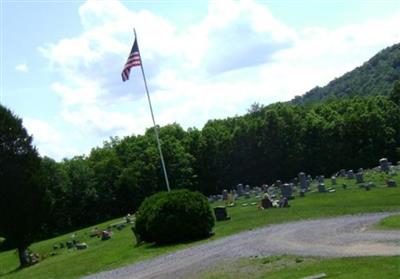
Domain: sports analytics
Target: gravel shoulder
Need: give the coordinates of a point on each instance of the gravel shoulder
(332, 237)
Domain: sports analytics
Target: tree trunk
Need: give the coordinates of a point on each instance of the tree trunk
(22, 257)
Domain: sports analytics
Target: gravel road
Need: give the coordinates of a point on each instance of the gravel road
(333, 237)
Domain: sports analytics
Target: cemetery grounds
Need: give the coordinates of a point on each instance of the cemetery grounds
(121, 249)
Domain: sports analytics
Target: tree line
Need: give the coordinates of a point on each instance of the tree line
(268, 143)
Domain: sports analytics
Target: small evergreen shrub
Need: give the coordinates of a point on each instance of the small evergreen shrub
(176, 216)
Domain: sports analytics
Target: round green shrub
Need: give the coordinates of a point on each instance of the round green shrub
(176, 216)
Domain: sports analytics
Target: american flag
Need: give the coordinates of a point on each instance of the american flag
(133, 61)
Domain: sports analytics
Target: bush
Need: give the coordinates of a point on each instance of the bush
(176, 216)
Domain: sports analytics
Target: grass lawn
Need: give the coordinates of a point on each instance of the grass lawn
(390, 223)
(281, 267)
(121, 250)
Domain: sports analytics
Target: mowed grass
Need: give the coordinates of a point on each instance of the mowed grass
(122, 250)
(289, 267)
(389, 223)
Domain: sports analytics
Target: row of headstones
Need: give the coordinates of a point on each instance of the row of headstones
(304, 181)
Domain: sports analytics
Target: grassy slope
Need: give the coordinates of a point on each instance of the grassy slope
(289, 267)
(389, 223)
(121, 250)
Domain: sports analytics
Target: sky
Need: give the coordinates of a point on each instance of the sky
(61, 61)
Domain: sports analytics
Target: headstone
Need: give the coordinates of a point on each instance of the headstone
(286, 191)
(225, 195)
(105, 235)
(384, 164)
(333, 180)
(271, 191)
(308, 183)
(321, 179)
(257, 191)
(264, 187)
(361, 170)
(221, 214)
(69, 244)
(247, 188)
(302, 193)
(235, 195)
(303, 181)
(350, 174)
(121, 226)
(239, 189)
(231, 199)
(391, 183)
(359, 177)
(321, 188)
(81, 246)
(342, 173)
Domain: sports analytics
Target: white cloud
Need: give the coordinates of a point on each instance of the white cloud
(49, 140)
(22, 68)
(238, 54)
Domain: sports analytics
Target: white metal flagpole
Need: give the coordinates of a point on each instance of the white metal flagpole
(154, 122)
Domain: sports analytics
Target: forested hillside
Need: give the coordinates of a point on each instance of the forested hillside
(270, 143)
(266, 144)
(374, 77)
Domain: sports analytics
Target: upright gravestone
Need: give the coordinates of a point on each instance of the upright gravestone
(286, 191)
(225, 195)
(264, 187)
(278, 184)
(308, 183)
(333, 180)
(239, 189)
(384, 164)
(350, 174)
(321, 179)
(303, 182)
(271, 191)
(391, 183)
(235, 195)
(247, 188)
(342, 173)
(321, 188)
(359, 177)
(221, 214)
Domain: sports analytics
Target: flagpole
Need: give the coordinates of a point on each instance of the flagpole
(154, 123)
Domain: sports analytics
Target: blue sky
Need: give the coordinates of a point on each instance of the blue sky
(61, 60)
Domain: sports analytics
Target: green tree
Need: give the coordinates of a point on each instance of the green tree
(23, 199)
(395, 93)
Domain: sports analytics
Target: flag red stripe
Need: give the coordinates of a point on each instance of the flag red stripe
(133, 60)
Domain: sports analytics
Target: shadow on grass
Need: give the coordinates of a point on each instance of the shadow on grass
(12, 271)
